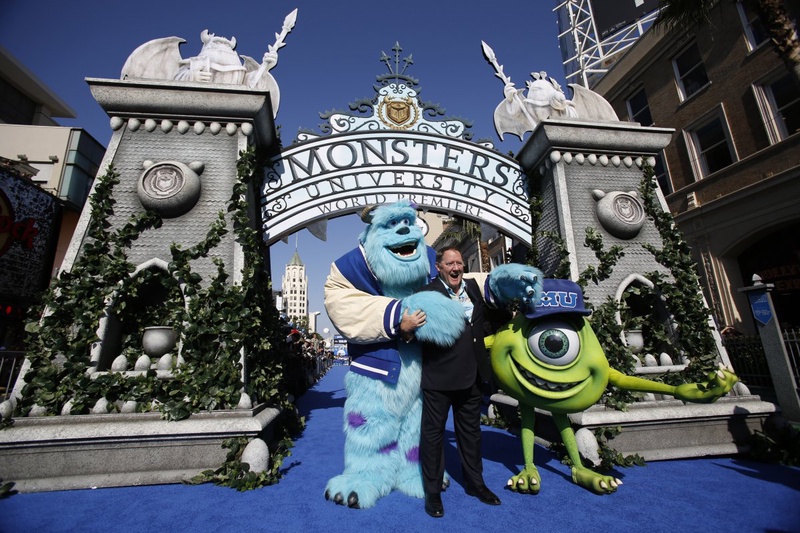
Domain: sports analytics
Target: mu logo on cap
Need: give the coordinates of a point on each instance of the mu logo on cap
(562, 299)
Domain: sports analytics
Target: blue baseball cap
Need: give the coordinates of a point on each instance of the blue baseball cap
(559, 296)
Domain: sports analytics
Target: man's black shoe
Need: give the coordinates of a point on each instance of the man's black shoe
(484, 494)
(433, 505)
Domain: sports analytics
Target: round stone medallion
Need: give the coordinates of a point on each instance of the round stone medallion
(620, 213)
(169, 188)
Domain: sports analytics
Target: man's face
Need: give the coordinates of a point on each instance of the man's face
(451, 268)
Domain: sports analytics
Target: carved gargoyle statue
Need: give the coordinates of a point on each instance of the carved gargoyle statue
(519, 113)
(217, 62)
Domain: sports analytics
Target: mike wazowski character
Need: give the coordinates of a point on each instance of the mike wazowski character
(369, 291)
(551, 359)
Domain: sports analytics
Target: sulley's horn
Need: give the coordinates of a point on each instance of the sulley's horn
(366, 213)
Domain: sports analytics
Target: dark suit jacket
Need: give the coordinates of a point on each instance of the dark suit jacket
(459, 366)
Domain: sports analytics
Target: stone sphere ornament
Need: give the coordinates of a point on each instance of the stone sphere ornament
(170, 188)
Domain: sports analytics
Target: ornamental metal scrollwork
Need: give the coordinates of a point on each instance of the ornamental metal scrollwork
(523, 214)
(276, 206)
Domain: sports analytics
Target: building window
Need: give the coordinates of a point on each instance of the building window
(15, 107)
(754, 31)
(779, 101)
(662, 174)
(639, 111)
(709, 144)
(639, 108)
(497, 260)
(690, 72)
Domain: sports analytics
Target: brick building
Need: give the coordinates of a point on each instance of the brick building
(731, 175)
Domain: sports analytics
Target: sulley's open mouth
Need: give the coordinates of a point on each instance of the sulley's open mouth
(405, 250)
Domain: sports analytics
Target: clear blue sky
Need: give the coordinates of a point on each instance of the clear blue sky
(330, 60)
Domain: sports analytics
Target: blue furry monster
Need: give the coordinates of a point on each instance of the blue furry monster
(368, 293)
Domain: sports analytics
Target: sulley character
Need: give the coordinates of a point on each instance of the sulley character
(368, 295)
(551, 359)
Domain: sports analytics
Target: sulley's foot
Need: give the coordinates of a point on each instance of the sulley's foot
(355, 491)
(409, 482)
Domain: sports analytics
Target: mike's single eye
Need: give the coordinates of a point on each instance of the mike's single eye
(554, 342)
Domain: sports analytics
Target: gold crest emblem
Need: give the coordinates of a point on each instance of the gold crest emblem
(398, 112)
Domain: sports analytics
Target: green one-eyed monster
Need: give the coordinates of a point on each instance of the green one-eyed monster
(550, 359)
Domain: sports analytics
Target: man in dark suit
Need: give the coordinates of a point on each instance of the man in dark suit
(451, 377)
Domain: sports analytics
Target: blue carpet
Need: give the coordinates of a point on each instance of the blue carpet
(710, 494)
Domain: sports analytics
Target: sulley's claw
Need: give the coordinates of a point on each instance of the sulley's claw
(352, 501)
(327, 495)
(338, 499)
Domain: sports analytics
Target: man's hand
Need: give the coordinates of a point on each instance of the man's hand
(409, 324)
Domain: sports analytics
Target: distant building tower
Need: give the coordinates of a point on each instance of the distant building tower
(295, 289)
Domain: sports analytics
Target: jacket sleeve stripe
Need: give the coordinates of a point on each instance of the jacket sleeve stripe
(392, 317)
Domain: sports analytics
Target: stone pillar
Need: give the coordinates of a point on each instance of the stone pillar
(780, 367)
(190, 130)
(588, 175)
(175, 147)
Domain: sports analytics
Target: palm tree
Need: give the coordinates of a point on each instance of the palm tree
(774, 15)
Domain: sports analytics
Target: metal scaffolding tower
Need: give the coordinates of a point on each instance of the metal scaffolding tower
(593, 35)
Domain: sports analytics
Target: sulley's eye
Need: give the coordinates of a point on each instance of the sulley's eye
(401, 222)
(554, 342)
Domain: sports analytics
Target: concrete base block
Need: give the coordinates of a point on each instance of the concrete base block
(664, 429)
(111, 450)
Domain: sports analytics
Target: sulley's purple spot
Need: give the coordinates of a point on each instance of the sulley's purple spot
(355, 420)
(412, 455)
(389, 447)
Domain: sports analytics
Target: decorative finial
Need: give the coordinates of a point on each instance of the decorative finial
(393, 65)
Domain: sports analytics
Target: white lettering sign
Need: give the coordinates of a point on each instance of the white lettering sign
(339, 174)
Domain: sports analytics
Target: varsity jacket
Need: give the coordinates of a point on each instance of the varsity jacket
(369, 323)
